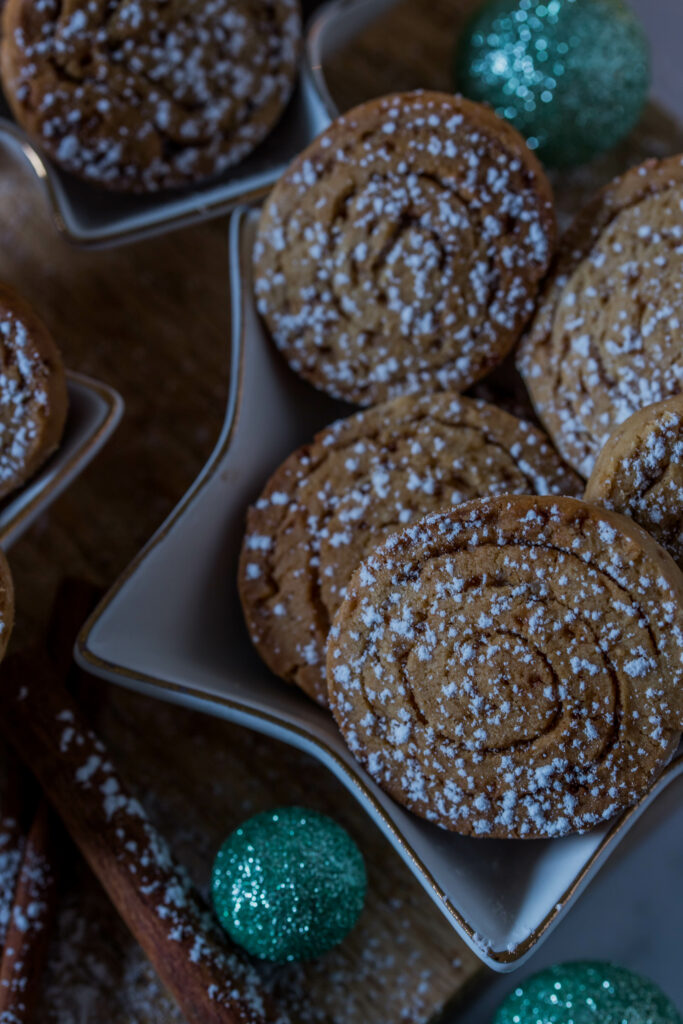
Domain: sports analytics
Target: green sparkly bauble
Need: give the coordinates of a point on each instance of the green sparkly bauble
(288, 884)
(588, 992)
(571, 75)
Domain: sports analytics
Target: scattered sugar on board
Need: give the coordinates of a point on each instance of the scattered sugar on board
(384, 972)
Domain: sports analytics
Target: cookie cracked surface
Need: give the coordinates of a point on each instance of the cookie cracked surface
(402, 251)
(139, 96)
(606, 338)
(364, 477)
(513, 667)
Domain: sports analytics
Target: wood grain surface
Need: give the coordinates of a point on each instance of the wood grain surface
(152, 320)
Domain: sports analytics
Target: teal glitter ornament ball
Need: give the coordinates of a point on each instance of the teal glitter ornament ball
(589, 992)
(571, 75)
(288, 884)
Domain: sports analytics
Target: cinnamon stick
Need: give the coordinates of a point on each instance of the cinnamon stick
(28, 926)
(211, 983)
(28, 848)
(12, 841)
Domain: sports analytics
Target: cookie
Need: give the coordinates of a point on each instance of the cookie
(361, 479)
(640, 472)
(141, 96)
(513, 667)
(606, 339)
(33, 396)
(402, 251)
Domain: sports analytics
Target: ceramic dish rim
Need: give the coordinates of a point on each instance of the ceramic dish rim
(114, 406)
(501, 960)
(310, 81)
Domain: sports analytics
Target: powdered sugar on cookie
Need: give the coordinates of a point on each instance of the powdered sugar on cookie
(512, 667)
(640, 473)
(363, 478)
(141, 96)
(606, 339)
(32, 392)
(22, 396)
(402, 251)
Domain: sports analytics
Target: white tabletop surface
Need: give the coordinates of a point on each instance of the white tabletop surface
(632, 913)
(663, 21)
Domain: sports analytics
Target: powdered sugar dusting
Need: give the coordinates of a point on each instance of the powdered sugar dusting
(142, 96)
(23, 396)
(11, 852)
(640, 473)
(606, 343)
(534, 688)
(402, 251)
(26, 911)
(363, 478)
(160, 883)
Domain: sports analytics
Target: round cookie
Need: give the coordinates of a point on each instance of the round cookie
(331, 502)
(402, 251)
(141, 96)
(33, 395)
(640, 472)
(512, 667)
(606, 338)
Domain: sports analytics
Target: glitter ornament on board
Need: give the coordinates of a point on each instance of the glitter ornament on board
(587, 992)
(571, 75)
(288, 884)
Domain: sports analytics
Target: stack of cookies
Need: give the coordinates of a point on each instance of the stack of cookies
(500, 645)
(145, 95)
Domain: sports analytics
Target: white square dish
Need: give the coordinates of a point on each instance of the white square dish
(94, 412)
(172, 627)
(91, 216)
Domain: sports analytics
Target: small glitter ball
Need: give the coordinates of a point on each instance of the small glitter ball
(588, 992)
(571, 75)
(288, 884)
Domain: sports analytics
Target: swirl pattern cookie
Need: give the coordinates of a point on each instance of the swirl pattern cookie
(140, 95)
(513, 667)
(640, 472)
(606, 339)
(361, 479)
(33, 396)
(402, 251)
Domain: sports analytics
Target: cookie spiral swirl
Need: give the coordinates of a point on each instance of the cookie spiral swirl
(360, 480)
(140, 95)
(640, 472)
(513, 667)
(402, 251)
(606, 339)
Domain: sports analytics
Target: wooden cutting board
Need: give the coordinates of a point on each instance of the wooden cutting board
(152, 319)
